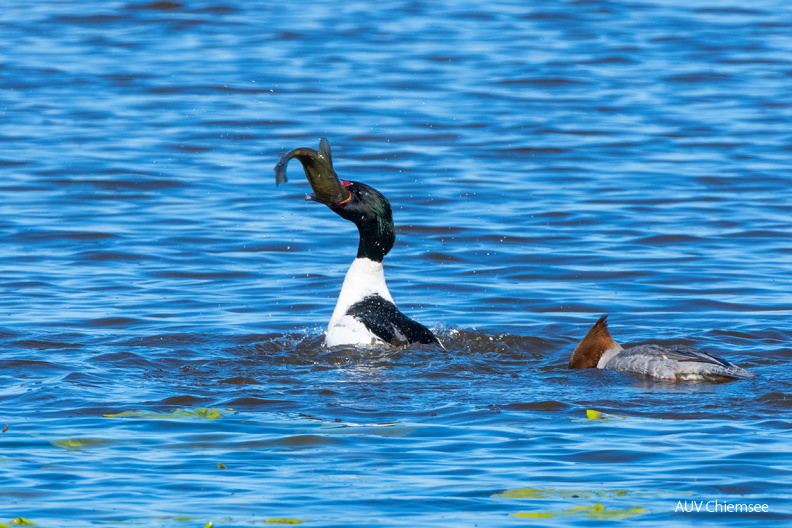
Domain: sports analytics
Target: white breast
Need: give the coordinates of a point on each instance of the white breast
(608, 355)
(349, 331)
(364, 278)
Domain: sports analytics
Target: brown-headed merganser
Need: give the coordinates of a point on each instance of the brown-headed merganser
(682, 363)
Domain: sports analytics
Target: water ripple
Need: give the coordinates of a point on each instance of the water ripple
(545, 164)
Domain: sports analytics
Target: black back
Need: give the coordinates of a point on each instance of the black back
(388, 323)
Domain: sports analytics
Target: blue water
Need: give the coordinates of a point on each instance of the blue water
(546, 162)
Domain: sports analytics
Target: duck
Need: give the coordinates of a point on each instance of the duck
(365, 313)
(678, 363)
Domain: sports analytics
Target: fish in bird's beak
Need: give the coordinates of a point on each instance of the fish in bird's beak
(318, 167)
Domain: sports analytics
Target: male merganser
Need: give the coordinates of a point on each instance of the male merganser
(365, 313)
(683, 363)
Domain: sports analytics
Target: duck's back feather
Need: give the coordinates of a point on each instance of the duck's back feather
(674, 362)
(384, 320)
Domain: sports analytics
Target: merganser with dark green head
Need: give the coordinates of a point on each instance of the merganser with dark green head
(365, 313)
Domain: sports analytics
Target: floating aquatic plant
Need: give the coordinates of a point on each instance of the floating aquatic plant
(597, 511)
(597, 415)
(79, 443)
(20, 520)
(549, 493)
(208, 414)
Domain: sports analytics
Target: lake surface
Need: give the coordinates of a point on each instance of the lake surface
(163, 302)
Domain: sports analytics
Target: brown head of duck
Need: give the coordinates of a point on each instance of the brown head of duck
(590, 349)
